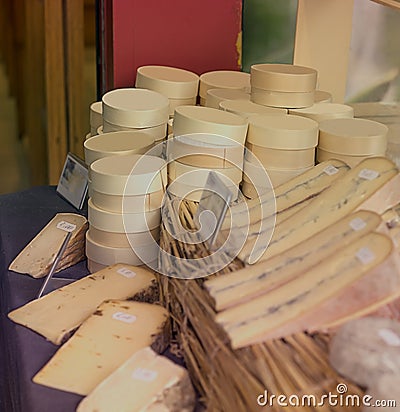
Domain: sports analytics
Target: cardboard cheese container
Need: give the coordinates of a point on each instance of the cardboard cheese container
(95, 117)
(359, 137)
(128, 175)
(205, 150)
(198, 119)
(290, 100)
(285, 132)
(322, 96)
(174, 103)
(283, 77)
(322, 155)
(280, 176)
(123, 222)
(324, 111)
(216, 96)
(171, 82)
(158, 132)
(117, 143)
(246, 108)
(138, 108)
(223, 79)
(127, 204)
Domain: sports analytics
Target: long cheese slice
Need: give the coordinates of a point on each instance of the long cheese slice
(374, 184)
(145, 382)
(380, 286)
(247, 283)
(249, 323)
(104, 341)
(38, 256)
(288, 196)
(60, 312)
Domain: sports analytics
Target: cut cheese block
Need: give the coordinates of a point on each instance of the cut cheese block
(366, 349)
(145, 382)
(246, 108)
(293, 193)
(245, 284)
(60, 312)
(216, 96)
(223, 79)
(198, 119)
(251, 322)
(117, 143)
(109, 337)
(280, 176)
(136, 108)
(283, 77)
(385, 389)
(371, 185)
(171, 82)
(38, 256)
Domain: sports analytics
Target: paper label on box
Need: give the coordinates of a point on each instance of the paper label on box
(365, 255)
(146, 375)
(126, 272)
(368, 174)
(331, 170)
(389, 337)
(65, 226)
(357, 224)
(124, 317)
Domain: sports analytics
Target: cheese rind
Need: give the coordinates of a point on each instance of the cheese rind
(115, 331)
(38, 256)
(58, 313)
(145, 381)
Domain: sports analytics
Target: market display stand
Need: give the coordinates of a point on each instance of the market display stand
(22, 351)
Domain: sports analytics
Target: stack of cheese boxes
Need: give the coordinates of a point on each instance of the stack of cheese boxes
(126, 185)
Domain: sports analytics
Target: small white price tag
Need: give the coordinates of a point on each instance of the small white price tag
(124, 317)
(389, 337)
(126, 272)
(65, 226)
(331, 170)
(365, 255)
(368, 174)
(357, 224)
(146, 375)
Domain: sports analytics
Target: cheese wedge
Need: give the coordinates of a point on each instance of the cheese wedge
(380, 286)
(374, 185)
(109, 337)
(290, 195)
(38, 256)
(145, 382)
(251, 322)
(245, 284)
(60, 312)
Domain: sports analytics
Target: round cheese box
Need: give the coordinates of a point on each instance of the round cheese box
(216, 96)
(246, 108)
(223, 79)
(324, 111)
(282, 99)
(95, 116)
(158, 132)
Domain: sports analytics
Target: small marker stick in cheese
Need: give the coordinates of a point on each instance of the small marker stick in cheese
(251, 322)
(145, 382)
(38, 256)
(245, 284)
(116, 331)
(372, 185)
(58, 313)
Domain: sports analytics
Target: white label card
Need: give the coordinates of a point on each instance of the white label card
(146, 375)
(65, 226)
(357, 224)
(368, 174)
(331, 170)
(365, 255)
(124, 317)
(126, 272)
(389, 337)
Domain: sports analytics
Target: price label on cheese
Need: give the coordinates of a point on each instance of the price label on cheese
(389, 337)
(146, 375)
(124, 317)
(126, 272)
(368, 174)
(365, 255)
(331, 170)
(357, 224)
(65, 226)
